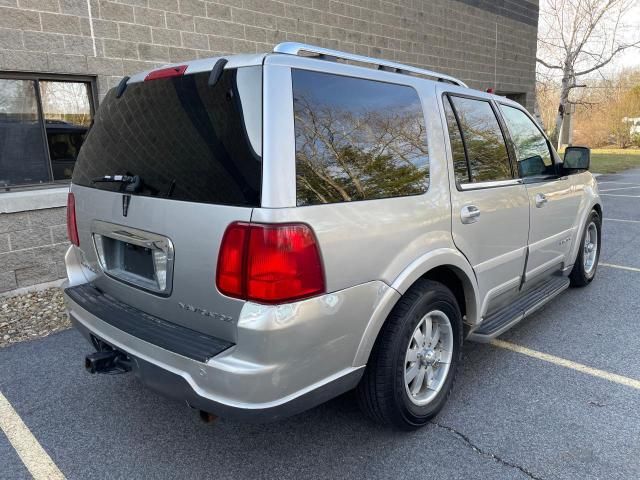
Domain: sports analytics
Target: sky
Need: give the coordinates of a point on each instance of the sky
(629, 58)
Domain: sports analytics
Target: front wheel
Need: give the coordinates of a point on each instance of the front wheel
(584, 270)
(413, 364)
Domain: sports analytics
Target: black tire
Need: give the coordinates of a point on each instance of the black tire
(382, 394)
(579, 277)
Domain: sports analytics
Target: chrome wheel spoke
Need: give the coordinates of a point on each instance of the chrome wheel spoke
(428, 328)
(418, 337)
(445, 358)
(417, 383)
(412, 355)
(435, 338)
(411, 372)
(430, 374)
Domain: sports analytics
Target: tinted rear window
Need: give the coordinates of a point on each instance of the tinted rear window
(357, 139)
(186, 140)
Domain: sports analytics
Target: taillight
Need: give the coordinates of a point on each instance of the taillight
(267, 263)
(72, 226)
(166, 73)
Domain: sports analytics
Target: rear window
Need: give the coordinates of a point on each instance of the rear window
(184, 139)
(357, 139)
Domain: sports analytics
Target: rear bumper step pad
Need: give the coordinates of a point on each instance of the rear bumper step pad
(154, 330)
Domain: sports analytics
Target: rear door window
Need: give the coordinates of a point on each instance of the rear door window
(460, 165)
(357, 139)
(482, 140)
(532, 150)
(185, 139)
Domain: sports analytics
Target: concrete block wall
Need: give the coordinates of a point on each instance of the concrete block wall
(486, 43)
(32, 247)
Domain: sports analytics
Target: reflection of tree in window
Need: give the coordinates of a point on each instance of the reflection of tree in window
(66, 101)
(486, 149)
(531, 147)
(457, 147)
(347, 151)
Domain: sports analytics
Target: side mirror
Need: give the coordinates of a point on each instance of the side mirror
(576, 158)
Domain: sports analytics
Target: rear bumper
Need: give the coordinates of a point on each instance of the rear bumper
(286, 358)
(174, 385)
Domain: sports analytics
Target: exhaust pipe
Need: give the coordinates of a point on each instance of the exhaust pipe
(107, 361)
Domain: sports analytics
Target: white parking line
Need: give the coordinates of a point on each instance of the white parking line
(621, 188)
(620, 220)
(620, 174)
(614, 195)
(37, 461)
(594, 372)
(621, 183)
(621, 267)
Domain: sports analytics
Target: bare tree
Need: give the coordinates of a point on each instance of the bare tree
(579, 37)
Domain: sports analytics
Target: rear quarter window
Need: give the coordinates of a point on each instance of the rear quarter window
(357, 139)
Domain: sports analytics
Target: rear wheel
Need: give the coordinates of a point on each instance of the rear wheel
(587, 261)
(413, 364)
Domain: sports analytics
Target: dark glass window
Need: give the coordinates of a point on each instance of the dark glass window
(185, 139)
(42, 125)
(485, 146)
(532, 150)
(457, 146)
(22, 155)
(357, 139)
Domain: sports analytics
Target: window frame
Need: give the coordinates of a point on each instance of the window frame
(552, 153)
(515, 176)
(370, 78)
(54, 77)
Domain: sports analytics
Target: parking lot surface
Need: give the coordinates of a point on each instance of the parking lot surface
(510, 415)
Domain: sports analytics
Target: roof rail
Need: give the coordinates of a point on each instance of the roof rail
(294, 48)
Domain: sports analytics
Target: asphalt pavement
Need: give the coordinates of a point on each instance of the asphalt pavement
(510, 416)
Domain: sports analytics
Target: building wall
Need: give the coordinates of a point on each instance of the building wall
(489, 45)
(485, 43)
(32, 246)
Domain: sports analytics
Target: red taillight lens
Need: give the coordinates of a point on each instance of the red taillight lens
(166, 73)
(231, 260)
(270, 263)
(72, 226)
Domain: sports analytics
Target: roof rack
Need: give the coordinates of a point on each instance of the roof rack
(294, 48)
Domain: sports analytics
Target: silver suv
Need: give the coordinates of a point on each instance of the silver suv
(256, 234)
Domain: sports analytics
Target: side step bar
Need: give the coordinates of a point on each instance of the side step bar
(506, 317)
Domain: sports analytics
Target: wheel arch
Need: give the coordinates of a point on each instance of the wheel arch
(446, 266)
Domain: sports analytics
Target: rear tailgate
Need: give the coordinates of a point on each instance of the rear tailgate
(195, 153)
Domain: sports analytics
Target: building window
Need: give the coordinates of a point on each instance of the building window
(43, 121)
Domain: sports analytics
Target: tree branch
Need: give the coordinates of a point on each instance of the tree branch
(604, 62)
(542, 62)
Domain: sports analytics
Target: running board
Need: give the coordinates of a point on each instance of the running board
(505, 318)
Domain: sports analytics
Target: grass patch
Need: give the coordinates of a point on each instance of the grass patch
(606, 160)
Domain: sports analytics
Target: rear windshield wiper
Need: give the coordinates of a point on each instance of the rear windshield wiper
(133, 182)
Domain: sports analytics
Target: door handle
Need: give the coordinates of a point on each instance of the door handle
(469, 214)
(541, 199)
